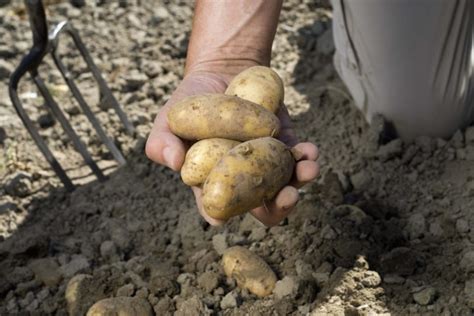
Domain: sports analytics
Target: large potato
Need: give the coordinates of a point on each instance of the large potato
(247, 175)
(221, 116)
(260, 85)
(202, 157)
(249, 270)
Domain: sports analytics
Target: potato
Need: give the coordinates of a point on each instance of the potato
(221, 116)
(260, 85)
(247, 175)
(249, 270)
(202, 157)
(121, 306)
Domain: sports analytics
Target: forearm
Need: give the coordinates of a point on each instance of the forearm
(229, 35)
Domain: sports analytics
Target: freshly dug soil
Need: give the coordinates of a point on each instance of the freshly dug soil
(387, 229)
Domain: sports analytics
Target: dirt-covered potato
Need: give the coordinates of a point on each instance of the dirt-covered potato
(249, 270)
(118, 306)
(202, 157)
(221, 116)
(260, 85)
(247, 175)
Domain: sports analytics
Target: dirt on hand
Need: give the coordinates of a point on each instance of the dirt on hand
(387, 229)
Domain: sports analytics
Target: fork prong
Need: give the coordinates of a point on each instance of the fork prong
(87, 110)
(104, 89)
(80, 147)
(39, 141)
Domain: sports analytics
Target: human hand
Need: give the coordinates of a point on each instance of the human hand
(167, 149)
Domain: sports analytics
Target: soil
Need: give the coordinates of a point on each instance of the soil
(388, 228)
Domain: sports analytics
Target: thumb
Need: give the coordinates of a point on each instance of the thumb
(163, 146)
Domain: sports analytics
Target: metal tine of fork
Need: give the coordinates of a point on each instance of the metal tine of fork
(80, 99)
(103, 88)
(78, 144)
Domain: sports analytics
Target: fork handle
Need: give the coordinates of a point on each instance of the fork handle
(38, 25)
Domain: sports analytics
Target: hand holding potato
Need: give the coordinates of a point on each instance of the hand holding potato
(166, 148)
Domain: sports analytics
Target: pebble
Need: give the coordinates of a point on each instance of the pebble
(219, 243)
(467, 261)
(208, 281)
(192, 306)
(285, 287)
(46, 270)
(371, 279)
(108, 249)
(425, 296)
(258, 234)
(18, 184)
(229, 300)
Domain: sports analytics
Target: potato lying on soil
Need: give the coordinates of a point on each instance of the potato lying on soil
(247, 175)
(202, 157)
(221, 116)
(249, 270)
(260, 85)
(121, 306)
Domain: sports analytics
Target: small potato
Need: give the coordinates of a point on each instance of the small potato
(247, 175)
(202, 157)
(221, 116)
(249, 270)
(121, 306)
(260, 85)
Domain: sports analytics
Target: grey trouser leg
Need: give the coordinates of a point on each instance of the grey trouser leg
(409, 60)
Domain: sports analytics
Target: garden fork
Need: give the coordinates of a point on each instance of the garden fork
(42, 45)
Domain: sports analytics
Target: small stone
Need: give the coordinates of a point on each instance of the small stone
(46, 120)
(208, 281)
(416, 226)
(46, 270)
(78, 264)
(328, 233)
(458, 139)
(467, 261)
(192, 306)
(121, 306)
(425, 296)
(165, 306)
(321, 278)
(390, 150)
(426, 144)
(360, 180)
(18, 184)
(43, 294)
(126, 290)
(285, 287)
(229, 300)
(219, 243)
(371, 279)
(135, 80)
(469, 291)
(462, 226)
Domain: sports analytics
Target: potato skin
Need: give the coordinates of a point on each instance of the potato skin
(249, 270)
(221, 116)
(247, 175)
(260, 85)
(202, 157)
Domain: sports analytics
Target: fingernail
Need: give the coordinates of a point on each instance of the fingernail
(168, 156)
